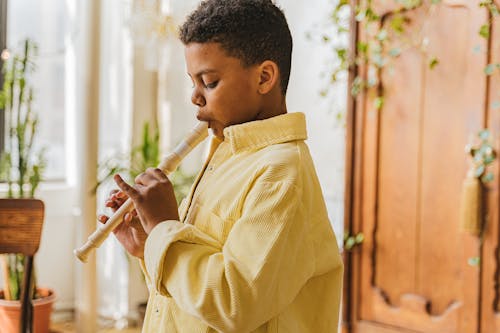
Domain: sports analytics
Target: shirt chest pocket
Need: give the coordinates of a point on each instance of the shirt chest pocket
(209, 222)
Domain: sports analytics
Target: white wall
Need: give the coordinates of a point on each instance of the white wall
(55, 259)
(326, 136)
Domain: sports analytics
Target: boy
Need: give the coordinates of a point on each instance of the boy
(252, 249)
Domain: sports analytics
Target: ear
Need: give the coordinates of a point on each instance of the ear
(268, 76)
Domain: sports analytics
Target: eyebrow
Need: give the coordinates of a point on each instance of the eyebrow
(204, 71)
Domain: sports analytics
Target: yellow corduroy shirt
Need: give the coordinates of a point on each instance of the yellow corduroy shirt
(255, 251)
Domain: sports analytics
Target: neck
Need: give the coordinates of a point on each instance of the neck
(273, 107)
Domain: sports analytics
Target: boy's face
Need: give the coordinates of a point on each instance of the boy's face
(225, 92)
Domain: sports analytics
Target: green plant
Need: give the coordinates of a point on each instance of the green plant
(21, 164)
(482, 155)
(351, 241)
(146, 154)
(385, 38)
(334, 34)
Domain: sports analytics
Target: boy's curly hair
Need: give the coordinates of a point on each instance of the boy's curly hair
(250, 30)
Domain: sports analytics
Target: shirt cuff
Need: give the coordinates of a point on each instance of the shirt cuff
(155, 250)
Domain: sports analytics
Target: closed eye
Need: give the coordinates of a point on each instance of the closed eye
(212, 85)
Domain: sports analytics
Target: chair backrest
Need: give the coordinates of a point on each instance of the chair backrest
(21, 222)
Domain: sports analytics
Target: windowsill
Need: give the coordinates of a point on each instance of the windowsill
(59, 197)
(44, 188)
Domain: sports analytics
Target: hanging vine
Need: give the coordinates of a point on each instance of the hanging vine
(386, 39)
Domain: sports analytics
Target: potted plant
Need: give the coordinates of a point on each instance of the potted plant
(21, 167)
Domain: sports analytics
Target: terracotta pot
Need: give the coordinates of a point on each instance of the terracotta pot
(10, 312)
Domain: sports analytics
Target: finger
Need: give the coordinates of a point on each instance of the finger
(126, 188)
(136, 224)
(118, 200)
(121, 195)
(102, 218)
(114, 191)
(157, 174)
(144, 178)
(110, 203)
(151, 176)
(128, 218)
(132, 221)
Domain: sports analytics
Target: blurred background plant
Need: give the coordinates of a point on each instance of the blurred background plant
(21, 163)
(141, 157)
(382, 43)
(333, 32)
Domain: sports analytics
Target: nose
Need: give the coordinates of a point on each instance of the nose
(197, 98)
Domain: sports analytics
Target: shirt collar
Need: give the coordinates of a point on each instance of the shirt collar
(261, 133)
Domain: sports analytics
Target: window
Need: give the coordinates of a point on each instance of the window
(48, 27)
(3, 32)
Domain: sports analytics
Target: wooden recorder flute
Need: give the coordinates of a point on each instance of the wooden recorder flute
(167, 165)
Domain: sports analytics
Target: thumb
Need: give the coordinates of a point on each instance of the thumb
(126, 188)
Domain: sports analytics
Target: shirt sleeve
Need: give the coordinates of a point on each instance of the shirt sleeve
(237, 287)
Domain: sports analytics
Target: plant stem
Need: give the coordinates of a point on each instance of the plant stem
(5, 270)
(10, 109)
(21, 126)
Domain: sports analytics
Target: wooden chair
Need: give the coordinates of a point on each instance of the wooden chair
(21, 222)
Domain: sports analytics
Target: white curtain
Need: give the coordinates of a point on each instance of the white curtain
(114, 140)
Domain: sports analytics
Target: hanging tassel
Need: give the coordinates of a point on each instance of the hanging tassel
(470, 206)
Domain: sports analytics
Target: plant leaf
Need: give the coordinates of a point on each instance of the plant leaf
(433, 62)
(395, 52)
(487, 178)
(382, 35)
(479, 171)
(489, 69)
(474, 261)
(484, 31)
(484, 134)
(379, 102)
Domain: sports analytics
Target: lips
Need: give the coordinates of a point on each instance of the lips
(201, 118)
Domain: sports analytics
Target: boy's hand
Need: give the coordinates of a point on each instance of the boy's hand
(130, 232)
(153, 197)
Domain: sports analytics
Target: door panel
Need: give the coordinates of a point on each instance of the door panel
(412, 272)
(490, 300)
(453, 110)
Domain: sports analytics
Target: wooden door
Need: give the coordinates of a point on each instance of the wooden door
(406, 164)
(490, 254)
